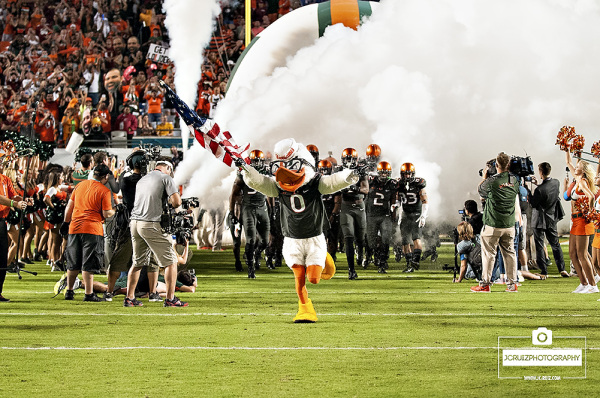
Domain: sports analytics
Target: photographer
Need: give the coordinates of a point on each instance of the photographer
(147, 235)
(469, 250)
(475, 218)
(500, 192)
(121, 259)
(547, 211)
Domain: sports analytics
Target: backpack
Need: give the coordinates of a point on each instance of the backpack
(474, 259)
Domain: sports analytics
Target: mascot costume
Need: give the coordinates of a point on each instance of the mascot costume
(299, 189)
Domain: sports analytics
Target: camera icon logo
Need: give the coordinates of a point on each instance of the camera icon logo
(541, 336)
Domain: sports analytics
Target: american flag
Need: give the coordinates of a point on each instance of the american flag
(207, 132)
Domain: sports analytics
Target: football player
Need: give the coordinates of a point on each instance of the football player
(314, 151)
(412, 195)
(325, 167)
(382, 192)
(373, 153)
(353, 219)
(255, 217)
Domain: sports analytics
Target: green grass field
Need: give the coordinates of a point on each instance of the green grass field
(379, 336)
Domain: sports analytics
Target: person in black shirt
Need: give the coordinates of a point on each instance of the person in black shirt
(122, 257)
(475, 217)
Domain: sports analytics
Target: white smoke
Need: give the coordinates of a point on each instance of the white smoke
(190, 25)
(444, 84)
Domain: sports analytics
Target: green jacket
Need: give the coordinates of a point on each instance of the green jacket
(499, 192)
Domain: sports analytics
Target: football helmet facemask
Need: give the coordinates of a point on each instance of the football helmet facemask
(325, 167)
(384, 170)
(407, 172)
(349, 157)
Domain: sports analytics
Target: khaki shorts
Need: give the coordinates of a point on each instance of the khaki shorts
(148, 240)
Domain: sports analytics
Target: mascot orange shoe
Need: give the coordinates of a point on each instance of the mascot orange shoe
(299, 188)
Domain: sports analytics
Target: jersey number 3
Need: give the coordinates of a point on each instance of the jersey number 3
(410, 198)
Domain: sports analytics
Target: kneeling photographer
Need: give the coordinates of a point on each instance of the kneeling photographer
(469, 250)
(148, 238)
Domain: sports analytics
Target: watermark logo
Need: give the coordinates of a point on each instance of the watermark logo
(542, 356)
(541, 336)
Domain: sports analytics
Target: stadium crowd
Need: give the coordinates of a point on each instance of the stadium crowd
(60, 55)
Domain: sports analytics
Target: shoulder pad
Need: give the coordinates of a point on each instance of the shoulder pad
(420, 182)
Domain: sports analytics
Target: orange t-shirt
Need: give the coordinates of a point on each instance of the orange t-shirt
(89, 198)
(154, 104)
(7, 189)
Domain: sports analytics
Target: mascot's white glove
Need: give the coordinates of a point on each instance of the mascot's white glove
(423, 217)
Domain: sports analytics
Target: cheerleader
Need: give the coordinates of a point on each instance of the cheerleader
(582, 187)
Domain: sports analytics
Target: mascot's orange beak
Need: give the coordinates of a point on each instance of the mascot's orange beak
(289, 180)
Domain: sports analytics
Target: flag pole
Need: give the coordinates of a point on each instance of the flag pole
(248, 22)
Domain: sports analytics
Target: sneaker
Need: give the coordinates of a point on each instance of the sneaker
(93, 298)
(511, 289)
(174, 303)
(155, 297)
(26, 260)
(596, 278)
(591, 289)
(500, 281)
(132, 302)
(580, 288)
(69, 295)
(77, 284)
(107, 296)
(481, 289)
(409, 270)
(60, 285)
(416, 266)
(3, 299)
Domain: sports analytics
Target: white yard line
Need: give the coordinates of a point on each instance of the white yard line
(353, 314)
(245, 348)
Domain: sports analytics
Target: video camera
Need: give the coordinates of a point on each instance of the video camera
(180, 224)
(519, 166)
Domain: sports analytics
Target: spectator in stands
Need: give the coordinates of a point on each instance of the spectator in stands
(144, 125)
(70, 124)
(45, 125)
(127, 122)
(155, 99)
(112, 84)
(165, 128)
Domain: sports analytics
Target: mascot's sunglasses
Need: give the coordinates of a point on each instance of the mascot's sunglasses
(294, 165)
